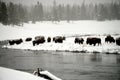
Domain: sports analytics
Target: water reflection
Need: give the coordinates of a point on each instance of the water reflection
(66, 65)
(96, 57)
(118, 59)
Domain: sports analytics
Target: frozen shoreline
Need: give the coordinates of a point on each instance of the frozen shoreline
(9, 74)
(70, 30)
(69, 46)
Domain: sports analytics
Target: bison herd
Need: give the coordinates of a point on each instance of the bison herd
(16, 41)
(59, 39)
(93, 41)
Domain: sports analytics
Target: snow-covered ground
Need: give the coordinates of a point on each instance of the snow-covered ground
(61, 28)
(9, 74)
(69, 45)
(76, 28)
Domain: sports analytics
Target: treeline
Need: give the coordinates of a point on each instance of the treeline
(12, 13)
(16, 14)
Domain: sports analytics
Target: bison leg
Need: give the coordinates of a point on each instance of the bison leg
(33, 43)
(94, 44)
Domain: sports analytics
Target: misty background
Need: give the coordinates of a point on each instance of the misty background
(17, 12)
(50, 2)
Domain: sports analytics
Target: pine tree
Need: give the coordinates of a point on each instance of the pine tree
(115, 13)
(73, 12)
(60, 11)
(0, 11)
(41, 12)
(102, 12)
(96, 12)
(21, 13)
(3, 13)
(55, 13)
(12, 14)
(68, 13)
(83, 12)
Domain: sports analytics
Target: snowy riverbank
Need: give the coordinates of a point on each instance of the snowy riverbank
(69, 45)
(9, 74)
(78, 28)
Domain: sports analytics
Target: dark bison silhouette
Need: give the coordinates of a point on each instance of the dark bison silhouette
(93, 40)
(79, 40)
(64, 38)
(48, 39)
(28, 39)
(109, 39)
(16, 41)
(38, 40)
(58, 39)
(118, 41)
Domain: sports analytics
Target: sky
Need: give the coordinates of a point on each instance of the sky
(49, 2)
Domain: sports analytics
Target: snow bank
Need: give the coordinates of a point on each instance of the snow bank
(77, 28)
(69, 45)
(9, 74)
(62, 28)
(53, 77)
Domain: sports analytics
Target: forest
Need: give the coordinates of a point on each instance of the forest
(17, 14)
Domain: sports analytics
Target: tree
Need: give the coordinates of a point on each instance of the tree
(55, 13)
(0, 11)
(74, 12)
(37, 12)
(68, 13)
(83, 12)
(115, 11)
(13, 14)
(3, 13)
(21, 13)
(102, 12)
(95, 12)
(59, 12)
(41, 13)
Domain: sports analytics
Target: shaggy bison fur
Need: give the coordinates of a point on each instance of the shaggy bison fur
(58, 39)
(118, 41)
(93, 40)
(38, 40)
(48, 39)
(16, 41)
(28, 39)
(79, 40)
(109, 39)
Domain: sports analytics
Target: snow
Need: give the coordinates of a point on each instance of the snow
(48, 28)
(9, 74)
(69, 45)
(70, 30)
(50, 75)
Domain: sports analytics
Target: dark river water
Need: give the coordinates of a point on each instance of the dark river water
(65, 65)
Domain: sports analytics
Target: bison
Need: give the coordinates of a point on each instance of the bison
(16, 41)
(28, 39)
(118, 41)
(11, 42)
(58, 39)
(93, 40)
(109, 39)
(48, 39)
(38, 40)
(64, 37)
(79, 40)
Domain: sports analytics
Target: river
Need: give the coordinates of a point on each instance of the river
(65, 65)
